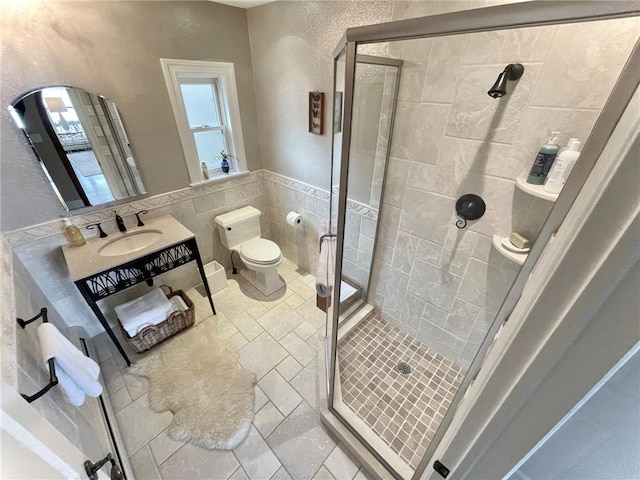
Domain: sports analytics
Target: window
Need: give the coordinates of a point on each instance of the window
(205, 105)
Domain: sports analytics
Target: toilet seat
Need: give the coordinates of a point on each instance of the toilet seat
(260, 251)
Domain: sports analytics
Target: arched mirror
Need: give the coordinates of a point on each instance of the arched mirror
(81, 145)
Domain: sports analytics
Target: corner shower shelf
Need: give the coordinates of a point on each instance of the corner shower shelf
(519, 258)
(535, 190)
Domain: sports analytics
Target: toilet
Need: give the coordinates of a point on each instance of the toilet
(240, 232)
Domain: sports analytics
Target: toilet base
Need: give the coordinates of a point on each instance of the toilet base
(267, 282)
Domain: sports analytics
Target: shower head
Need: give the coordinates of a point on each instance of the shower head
(513, 71)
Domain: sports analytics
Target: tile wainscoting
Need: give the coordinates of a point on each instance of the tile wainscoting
(38, 247)
(300, 245)
(401, 255)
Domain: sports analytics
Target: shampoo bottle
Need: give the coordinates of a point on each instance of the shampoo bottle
(73, 234)
(562, 167)
(544, 160)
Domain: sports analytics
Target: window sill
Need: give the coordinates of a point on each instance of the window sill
(220, 179)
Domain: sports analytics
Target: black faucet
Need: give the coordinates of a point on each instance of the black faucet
(91, 226)
(140, 222)
(120, 223)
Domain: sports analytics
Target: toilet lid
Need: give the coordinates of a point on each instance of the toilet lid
(261, 250)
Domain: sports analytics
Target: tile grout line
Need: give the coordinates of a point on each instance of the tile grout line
(310, 365)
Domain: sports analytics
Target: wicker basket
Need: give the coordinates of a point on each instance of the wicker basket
(154, 334)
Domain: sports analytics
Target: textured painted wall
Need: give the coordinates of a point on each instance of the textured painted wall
(436, 282)
(292, 47)
(113, 48)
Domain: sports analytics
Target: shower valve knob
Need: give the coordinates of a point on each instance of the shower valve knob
(469, 207)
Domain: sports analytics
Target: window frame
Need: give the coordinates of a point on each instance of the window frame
(222, 76)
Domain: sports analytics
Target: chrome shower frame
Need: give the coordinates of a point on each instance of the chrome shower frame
(520, 15)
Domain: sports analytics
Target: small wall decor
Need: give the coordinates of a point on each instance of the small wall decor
(337, 112)
(316, 105)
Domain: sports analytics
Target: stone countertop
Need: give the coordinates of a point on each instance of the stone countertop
(85, 261)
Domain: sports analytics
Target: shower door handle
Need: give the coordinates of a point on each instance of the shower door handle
(91, 469)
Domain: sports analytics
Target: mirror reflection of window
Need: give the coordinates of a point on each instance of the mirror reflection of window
(81, 144)
(68, 128)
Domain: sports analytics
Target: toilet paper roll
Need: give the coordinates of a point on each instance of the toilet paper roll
(294, 219)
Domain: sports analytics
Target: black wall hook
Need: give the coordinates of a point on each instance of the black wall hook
(469, 207)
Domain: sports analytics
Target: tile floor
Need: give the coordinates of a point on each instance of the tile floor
(404, 410)
(277, 338)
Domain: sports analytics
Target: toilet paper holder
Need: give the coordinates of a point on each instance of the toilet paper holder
(294, 219)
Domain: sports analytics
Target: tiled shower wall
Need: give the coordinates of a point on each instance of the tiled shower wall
(438, 283)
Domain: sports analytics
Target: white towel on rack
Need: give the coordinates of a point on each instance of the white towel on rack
(324, 278)
(151, 308)
(77, 374)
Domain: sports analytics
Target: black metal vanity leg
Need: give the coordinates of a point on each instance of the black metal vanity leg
(203, 275)
(98, 313)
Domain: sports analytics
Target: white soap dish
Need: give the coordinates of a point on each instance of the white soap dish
(512, 248)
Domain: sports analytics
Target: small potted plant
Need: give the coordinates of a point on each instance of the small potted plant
(224, 158)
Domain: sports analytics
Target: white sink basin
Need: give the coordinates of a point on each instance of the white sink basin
(131, 242)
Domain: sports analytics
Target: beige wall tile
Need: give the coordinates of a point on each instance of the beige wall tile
(476, 115)
(584, 62)
(444, 62)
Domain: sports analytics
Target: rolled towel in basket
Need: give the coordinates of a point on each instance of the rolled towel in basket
(151, 308)
(77, 374)
(324, 278)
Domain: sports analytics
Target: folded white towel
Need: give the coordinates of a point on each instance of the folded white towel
(324, 278)
(77, 374)
(152, 307)
(133, 328)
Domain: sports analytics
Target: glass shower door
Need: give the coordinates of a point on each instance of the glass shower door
(372, 117)
(431, 295)
(371, 124)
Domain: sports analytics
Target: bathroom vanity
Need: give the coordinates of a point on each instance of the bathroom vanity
(105, 266)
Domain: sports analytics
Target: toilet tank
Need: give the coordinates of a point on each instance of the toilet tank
(238, 226)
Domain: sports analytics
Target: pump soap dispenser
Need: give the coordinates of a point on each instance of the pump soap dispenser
(73, 234)
(544, 160)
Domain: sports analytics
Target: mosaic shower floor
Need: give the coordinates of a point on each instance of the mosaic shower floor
(404, 410)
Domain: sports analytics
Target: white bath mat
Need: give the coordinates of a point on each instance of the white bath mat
(196, 376)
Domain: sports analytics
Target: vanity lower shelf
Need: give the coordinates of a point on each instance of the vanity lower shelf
(518, 258)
